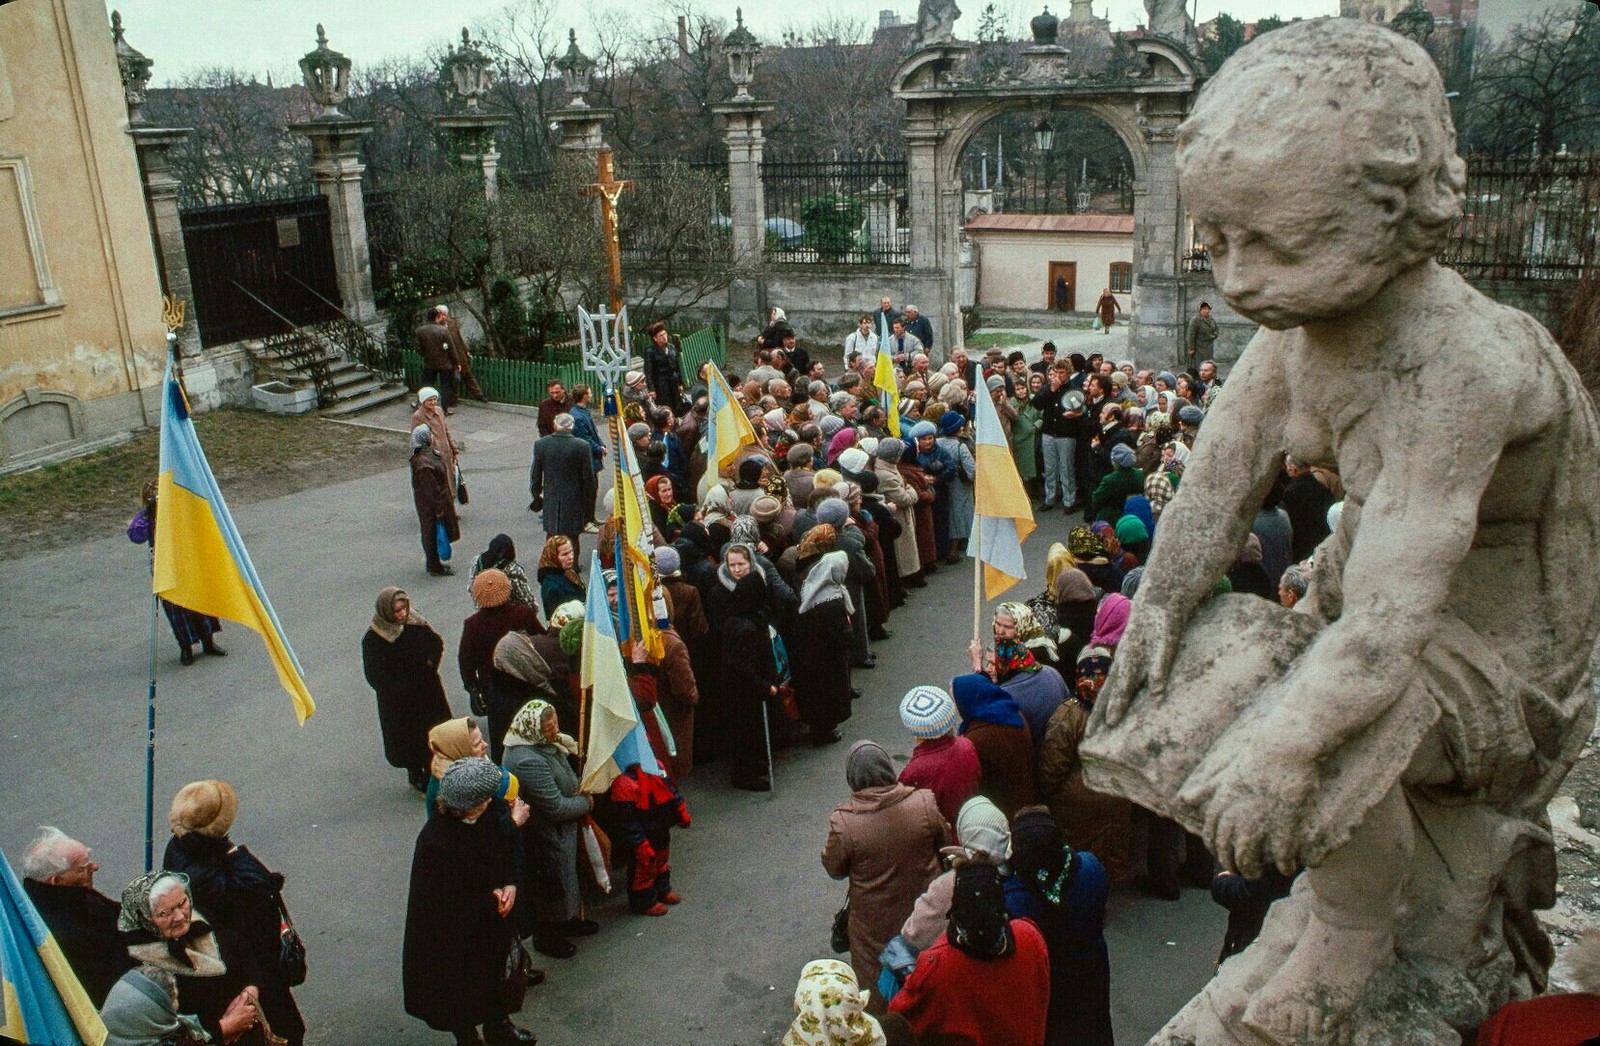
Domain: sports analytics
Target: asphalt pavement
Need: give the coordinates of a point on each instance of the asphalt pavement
(319, 803)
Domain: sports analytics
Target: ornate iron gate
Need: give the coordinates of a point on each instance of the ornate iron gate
(256, 265)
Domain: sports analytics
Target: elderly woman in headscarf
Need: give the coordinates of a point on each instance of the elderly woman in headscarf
(501, 555)
(983, 836)
(749, 673)
(1076, 604)
(716, 514)
(1095, 558)
(665, 512)
(524, 666)
(142, 1010)
(537, 752)
(400, 657)
(1092, 820)
(1110, 621)
(481, 631)
(749, 484)
(433, 499)
(458, 912)
(430, 412)
(991, 720)
(830, 1010)
(842, 441)
(957, 445)
(1133, 535)
(1037, 689)
(449, 741)
(559, 582)
(1070, 888)
(820, 653)
(170, 938)
(1247, 576)
(885, 839)
(1030, 633)
(239, 893)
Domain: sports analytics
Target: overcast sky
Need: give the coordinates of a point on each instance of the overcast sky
(270, 35)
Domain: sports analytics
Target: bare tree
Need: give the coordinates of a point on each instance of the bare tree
(832, 91)
(1538, 90)
(239, 150)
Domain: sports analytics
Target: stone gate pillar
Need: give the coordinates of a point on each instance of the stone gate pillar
(747, 204)
(336, 165)
(1157, 323)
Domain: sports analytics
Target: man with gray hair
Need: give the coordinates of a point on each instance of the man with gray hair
(1292, 586)
(918, 324)
(818, 403)
(58, 875)
(561, 481)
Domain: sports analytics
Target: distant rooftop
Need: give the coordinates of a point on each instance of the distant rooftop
(1102, 223)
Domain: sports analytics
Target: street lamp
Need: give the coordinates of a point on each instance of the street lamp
(575, 67)
(1044, 136)
(470, 72)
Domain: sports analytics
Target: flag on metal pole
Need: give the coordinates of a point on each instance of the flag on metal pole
(1002, 517)
(200, 559)
(615, 738)
(727, 427)
(41, 1000)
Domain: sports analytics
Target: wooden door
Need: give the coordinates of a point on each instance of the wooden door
(1061, 288)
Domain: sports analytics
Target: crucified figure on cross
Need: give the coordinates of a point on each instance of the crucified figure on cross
(610, 190)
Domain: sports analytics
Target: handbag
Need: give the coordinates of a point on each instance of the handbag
(291, 949)
(787, 704)
(462, 498)
(441, 541)
(840, 940)
(514, 979)
(1098, 325)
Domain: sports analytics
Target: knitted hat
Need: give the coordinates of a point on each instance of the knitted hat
(952, 422)
(801, 455)
(853, 460)
(1191, 416)
(994, 381)
(638, 430)
(1122, 456)
(572, 637)
(1131, 530)
(426, 393)
(491, 588)
(1119, 379)
(890, 449)
(510, 787)
(830, 424)
(668, 562)
(766, 509)
(923, 428)
(1167, 377)
(833, 512)
(868, 444)
(207, 807)
(469, 782)
(928, 712)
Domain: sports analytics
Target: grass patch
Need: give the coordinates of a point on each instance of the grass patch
(998, 340)
(254, 455)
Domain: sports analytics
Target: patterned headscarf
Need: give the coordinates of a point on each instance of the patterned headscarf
(1158, 490)
(137, 913)
(528, 723)
(819, 539)
(1029, 632)
(1011, 657)
(746, 531)
(830, 1007)
(1084, 543)
(1108, 538)
(1093, 664)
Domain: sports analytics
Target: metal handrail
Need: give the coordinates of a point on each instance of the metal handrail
(315, 362)
(371, 353)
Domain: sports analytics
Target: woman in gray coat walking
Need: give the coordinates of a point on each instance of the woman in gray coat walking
(536, 751)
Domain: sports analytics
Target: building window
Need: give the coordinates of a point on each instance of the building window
(1121, 277)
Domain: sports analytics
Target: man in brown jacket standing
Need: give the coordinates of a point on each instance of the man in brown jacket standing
(439, 362)
(458, 345)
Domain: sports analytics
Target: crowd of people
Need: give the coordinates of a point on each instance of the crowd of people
(978, 873)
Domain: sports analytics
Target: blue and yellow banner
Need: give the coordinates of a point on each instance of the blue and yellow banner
(200, 559)
(615, 738)
(727, 428)
(41, 1001)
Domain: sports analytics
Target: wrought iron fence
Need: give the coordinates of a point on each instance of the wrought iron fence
(522, 381)
(677, 212)
(837, 212)
(1527, 218)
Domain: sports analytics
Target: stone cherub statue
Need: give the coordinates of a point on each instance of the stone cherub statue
(1399, 733)
(1170, 18)
(936, 23)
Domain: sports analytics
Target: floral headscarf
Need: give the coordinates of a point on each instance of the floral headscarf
(1029, 632)
(1084, 543)
(1011, 657)
(830, 1007)
(527, 728)
(136, 913)
(819, 539)
(1108, 538)
(1093, 664)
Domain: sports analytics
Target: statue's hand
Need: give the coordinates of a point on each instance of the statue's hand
(1256, 809)
(1144, 660)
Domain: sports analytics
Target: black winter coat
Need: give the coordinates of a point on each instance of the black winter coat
(456, 941)
(411, 700)
(84, 923)
(238, 896)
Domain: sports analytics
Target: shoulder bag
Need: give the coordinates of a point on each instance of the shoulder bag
(291, 949)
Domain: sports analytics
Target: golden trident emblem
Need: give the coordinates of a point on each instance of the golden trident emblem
(172, 309)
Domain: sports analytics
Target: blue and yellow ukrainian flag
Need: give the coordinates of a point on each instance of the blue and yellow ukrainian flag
(727, 428)
(888, 392)
(639, 619)
(615, 739)
(1002, 516)
(43, 1004)
(201, 562)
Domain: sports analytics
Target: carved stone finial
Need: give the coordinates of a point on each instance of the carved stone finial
(576, 68)
(469, 73)
(134, 70)
(743, 51)
(326, 74)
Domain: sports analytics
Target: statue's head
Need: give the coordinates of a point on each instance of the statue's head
(1317, 165)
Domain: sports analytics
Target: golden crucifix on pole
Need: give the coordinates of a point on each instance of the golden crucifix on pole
(610, 190)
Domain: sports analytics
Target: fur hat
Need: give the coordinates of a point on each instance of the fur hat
(801, 455)
(928, 712)
(1122, 456)
(766, 509)
(491, 588)
(469, 782)
(890, 449)
(833, 512)
(207, 807)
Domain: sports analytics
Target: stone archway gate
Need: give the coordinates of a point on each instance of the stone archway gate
(1143, 93)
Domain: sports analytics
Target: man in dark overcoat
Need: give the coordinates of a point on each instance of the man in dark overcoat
(562, 480)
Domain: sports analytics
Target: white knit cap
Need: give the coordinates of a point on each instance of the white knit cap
(927, 712)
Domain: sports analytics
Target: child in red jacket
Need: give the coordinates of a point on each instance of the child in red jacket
(647, 807)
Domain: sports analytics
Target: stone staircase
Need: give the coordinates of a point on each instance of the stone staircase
(351, 369)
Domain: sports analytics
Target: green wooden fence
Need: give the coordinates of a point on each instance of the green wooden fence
(523, 381)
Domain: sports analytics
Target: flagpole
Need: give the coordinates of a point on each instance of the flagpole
(150, 745)
(977, 580)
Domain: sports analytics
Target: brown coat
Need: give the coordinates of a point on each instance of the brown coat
(688, 610)
(1006, 755)
(439, 434)
(918, 480)
(899, 495)
(433, 345)
(458, 345)
(1089, 820)
(679, 694)
(886, 840)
